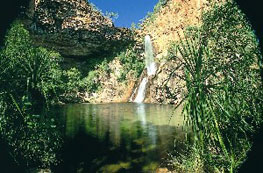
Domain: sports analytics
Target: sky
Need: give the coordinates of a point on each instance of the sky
(129, 11)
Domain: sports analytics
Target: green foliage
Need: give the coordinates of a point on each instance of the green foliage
(26, 70)
(187, 160)
(131, 64)
(111, 15)
(31, 78)
(223, 103)
(35, 73)
(33, 140)
(70, 86)
(159, 5)
(150, 17)
(103, 66)
(91, 81)
(72, 76)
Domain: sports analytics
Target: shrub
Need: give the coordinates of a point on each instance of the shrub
(33, 140)
(223, 103)
(71, 85)
(151, 16)
(91, 81)
(26, 70)
(31, 78)
(103, 66)
(131, 64)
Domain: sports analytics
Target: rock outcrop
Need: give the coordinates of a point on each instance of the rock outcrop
(72, 27)
(112, 90)
(164, 27)
(76, 29)
(173, 19)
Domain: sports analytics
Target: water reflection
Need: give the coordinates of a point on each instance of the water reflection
(141, 113)
(152, 132)
(117, 137)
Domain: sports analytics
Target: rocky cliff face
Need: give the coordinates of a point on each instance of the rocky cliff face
(164, 27)
(173, 19)
(76, 29)
(73, 28)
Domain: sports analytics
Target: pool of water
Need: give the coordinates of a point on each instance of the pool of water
(121, 137)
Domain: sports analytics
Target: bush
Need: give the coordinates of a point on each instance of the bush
(223, 103)
(31, 77)
(33, 140)
(151, 16)
(131, 64)
(91, 81)
(103, 66)
(26, 70)
(71, 85)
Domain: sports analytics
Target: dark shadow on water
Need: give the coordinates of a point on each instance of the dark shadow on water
(86, 153)
(116, 137)
(79, 152)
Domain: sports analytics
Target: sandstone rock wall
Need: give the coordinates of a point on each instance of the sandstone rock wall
(73, 28)
(173, 19)
(164, 27)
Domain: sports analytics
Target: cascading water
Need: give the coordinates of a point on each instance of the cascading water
(149, 59)
(151, 69)
(141, 92)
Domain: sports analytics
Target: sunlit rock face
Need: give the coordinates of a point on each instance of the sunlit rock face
(164, 28)
(72, 27)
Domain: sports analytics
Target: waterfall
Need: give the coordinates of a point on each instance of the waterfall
(149, 59)
(151, 69)
(141, 92)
